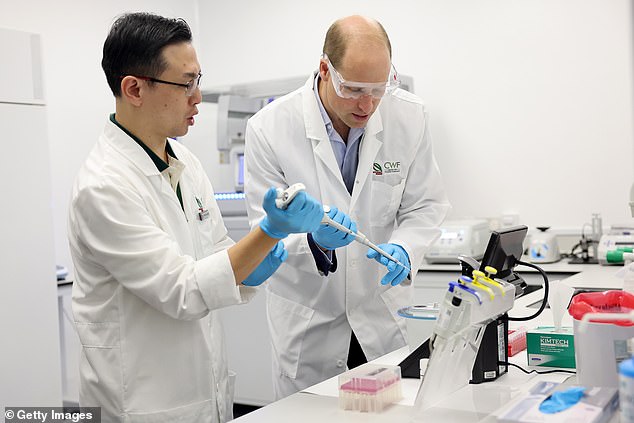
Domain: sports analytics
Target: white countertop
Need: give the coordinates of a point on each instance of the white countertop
(473, 403)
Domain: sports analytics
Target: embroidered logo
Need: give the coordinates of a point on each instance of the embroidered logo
(376, 169)
(392, 167)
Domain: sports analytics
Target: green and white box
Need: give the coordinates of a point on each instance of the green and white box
(547, 347)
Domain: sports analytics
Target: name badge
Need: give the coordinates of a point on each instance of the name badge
(202, 212)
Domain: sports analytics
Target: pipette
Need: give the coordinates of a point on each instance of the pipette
(284, 197)
(359, 237)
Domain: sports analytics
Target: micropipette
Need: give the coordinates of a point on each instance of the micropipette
(284, 197)
(359, 237)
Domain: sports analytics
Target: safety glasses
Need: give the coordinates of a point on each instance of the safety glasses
(356, 90)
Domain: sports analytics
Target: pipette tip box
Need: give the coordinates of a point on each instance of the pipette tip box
(370, 388)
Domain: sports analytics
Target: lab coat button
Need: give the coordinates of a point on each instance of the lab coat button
(353, 263)
(340, 363)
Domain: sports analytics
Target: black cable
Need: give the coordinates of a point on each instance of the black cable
(574, 247)
(538, 372)
(544, 302)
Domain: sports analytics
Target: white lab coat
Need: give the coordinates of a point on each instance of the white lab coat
(148, 278)
(398, 197)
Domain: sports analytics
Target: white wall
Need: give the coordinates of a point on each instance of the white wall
(78, 98)
(530, 100)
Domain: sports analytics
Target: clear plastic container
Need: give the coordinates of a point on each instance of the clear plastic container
(370, 388)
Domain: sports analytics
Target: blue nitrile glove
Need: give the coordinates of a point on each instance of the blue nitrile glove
(395, 273)
(330, 238)
(562, 400)
(303, 214)
(269, 265)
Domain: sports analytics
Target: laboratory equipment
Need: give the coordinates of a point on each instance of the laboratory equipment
(459, 237)
(516, 340)
(544, 247)
(370, 388)
(472, 307)
(465, 312)
(618, 238)
(602, 324)
(587, 242)
(503, 251)
(419, 320)
(597, 233)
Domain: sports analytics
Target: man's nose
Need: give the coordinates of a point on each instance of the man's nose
(366, 103)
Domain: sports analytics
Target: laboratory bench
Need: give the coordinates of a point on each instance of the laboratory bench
(473, 403)
(254, 385)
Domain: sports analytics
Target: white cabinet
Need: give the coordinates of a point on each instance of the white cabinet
(30, 372)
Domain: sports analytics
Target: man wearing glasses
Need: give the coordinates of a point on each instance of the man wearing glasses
(361, 144)
(152, 257)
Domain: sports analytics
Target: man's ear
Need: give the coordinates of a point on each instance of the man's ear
(323, 70)
(131, 90)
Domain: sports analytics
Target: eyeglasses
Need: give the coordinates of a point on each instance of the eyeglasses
(190, 87)
(356, 90)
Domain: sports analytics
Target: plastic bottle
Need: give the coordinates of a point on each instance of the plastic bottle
(626, 390)
(628, 276)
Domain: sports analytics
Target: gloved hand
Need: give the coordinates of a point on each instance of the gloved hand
(269, 265)
(395, 273)
(330, 238)
(303, 214)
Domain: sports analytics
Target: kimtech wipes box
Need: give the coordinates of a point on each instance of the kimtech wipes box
(547, 347)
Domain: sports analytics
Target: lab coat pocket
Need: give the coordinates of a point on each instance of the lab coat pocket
(100, 361)
(288, 322)
(195, 412)
(386, 198)
(206, 236)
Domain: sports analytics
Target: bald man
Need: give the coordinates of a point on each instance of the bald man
(361, 145)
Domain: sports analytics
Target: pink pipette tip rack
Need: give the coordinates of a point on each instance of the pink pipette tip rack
(370, 388)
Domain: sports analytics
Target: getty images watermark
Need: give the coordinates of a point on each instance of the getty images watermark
(52, 414)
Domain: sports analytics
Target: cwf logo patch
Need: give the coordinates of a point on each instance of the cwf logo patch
(387, 167)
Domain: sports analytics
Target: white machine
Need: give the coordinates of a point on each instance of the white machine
(619, 239)
(459, 237)
(544, 247)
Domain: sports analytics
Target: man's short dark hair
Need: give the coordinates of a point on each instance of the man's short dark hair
(135, 44)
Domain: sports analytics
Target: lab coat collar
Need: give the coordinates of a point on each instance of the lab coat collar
(315, 128)
(129, 149)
